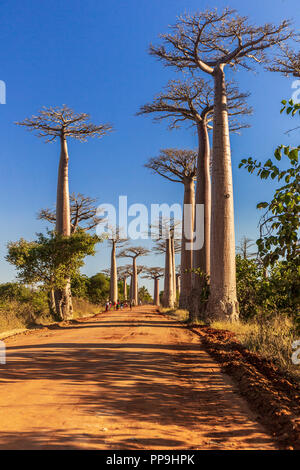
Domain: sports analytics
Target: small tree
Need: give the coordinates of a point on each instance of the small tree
(209, 41)
(51, 260)
(144, 295)
(134, 253)
(63, 123)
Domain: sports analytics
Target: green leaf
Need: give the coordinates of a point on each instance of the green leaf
(262, 205)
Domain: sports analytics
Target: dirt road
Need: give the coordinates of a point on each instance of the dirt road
(121, 380)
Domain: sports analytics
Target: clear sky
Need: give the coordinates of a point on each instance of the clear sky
(92, 55)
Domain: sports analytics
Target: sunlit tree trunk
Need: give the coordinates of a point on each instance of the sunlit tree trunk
(113, 274)
(131, 289)
(63, 298)
(168, 280)
(222, 301)
(134, 282)
(187, 235)
(201, 258)
(173, 268)
(156, 292)
(125, 288)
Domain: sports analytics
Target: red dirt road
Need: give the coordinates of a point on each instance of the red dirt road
(121, 380)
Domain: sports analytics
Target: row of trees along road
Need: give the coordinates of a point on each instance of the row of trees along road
(207, 43)
(203, 44)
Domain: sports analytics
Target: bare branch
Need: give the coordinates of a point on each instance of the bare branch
(181, 163)
(209, 39)
(51, 123)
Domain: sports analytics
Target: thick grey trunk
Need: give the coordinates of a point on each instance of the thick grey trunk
(173, 268)
(222, 303)
(156, 292)
(187, 236)
(63, 297)
(130, 289)
(113, 275)
(134, 282)
(63, 225)
(125, 288)
(201, 258)
(168, 280)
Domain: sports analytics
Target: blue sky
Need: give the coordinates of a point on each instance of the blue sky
(92, 55)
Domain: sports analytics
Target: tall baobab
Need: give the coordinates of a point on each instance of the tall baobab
(134, 252)
(116, 241)
(208, 42)
(124, 272)
(63, 123)
(83, 213)
(191, 101)
(169, 246)
(179, 166)
(155, 274)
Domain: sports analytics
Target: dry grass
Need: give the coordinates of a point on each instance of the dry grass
(17, 315)
(271, 338)
(83, 308)
(177, 314)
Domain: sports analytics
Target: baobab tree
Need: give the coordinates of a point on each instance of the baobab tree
(207, 42)
(134, 252)
(124, 272)
(169, 246)
(115, 241)
(127, 271)
(83, 213)
(155, 274)
(287, 62)
(179, 166)
(191, 102)
(63, 123)
(244, 248)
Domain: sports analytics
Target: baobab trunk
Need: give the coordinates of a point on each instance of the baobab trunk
(156, 292)
(173, 268)
(134, 283)
(186, 243)
(63, 298)
(168, 281)
(222, 302)
(125, 288)
(178, 283)
(131, 289)
(201, 257)
(113, 275)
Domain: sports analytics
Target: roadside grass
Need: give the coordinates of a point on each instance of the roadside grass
(271, 337)
(177, 314)
(84, 308)
(16, 315)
